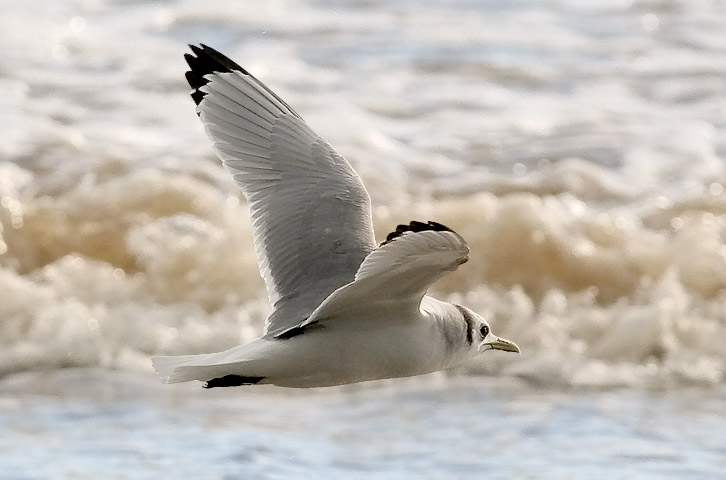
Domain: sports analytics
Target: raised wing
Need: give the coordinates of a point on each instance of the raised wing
(399, 272)
(310, 211)
(412, 258)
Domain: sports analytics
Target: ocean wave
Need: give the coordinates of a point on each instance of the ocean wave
(579, 151)
(112, 270)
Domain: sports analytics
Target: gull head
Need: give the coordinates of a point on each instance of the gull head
(480, 336)
(492, 342)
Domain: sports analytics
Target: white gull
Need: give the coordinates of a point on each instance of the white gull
(344, 310)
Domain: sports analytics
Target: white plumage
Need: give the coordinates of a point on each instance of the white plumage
(343, 310)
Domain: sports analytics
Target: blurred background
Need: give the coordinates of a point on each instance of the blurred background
(579, 148)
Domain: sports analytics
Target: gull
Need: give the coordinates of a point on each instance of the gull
(343, 309)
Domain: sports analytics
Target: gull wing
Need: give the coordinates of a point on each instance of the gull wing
(311, 214)
(398, 273)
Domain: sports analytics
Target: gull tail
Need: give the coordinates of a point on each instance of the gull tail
(232, 367)
(169, 368)
(185, 368)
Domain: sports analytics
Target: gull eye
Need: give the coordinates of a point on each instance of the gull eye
(484, 330)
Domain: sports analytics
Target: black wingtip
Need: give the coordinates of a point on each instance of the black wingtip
(232, 381)
(205, 60)
(415, 226)
(297, 330)
(210, 60)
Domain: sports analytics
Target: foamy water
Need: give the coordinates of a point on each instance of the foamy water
(578, 147)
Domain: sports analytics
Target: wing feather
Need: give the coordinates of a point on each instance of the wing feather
(405, 267)
(310, 211)
(398, 273)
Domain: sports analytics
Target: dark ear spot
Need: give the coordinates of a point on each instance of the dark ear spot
(469, 324)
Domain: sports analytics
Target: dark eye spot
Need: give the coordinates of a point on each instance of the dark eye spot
(484, 330)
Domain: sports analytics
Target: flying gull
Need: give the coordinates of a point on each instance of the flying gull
(344, 310)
